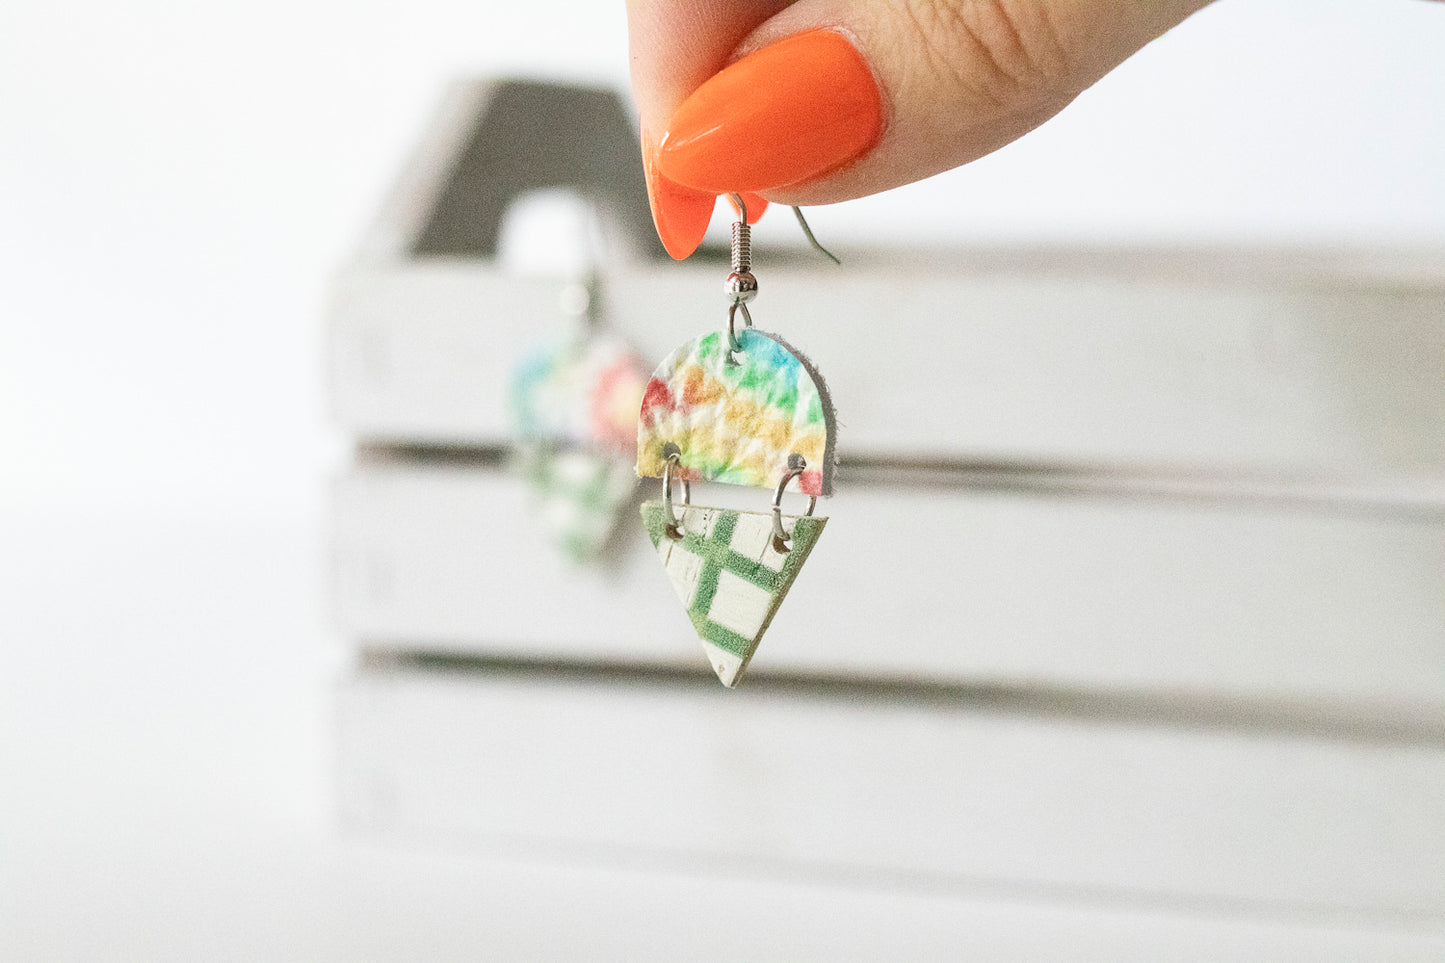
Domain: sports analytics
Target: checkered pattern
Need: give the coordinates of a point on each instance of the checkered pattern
(729, 575)
(580, 497)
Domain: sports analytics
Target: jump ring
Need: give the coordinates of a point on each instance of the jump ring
(796, 466)
(674, 523)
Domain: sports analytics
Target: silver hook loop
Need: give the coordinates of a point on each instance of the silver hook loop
(733, 343)
(674, 524)
(796, 466)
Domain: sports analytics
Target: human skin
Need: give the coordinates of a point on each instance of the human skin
(955, 79)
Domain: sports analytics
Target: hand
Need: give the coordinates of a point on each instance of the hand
(820, 101)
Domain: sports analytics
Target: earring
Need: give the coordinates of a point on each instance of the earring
(572, 405)
(745, 408)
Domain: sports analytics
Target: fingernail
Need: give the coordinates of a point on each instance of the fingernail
(756, 205)
(791, 112)
(681, 214)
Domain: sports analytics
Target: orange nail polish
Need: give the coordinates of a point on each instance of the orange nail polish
(681, 214)
(789, 113)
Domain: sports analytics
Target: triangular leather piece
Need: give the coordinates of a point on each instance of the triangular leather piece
(729, 575)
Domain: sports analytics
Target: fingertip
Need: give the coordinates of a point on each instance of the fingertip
(680, 214)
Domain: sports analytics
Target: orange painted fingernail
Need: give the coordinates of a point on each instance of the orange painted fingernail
(791, 112)
(681, 214)
(756, 206)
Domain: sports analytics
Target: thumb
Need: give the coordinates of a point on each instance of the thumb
(830, 100)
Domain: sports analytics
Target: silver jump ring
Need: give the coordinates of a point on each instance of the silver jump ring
(796, 466)
(674, 524)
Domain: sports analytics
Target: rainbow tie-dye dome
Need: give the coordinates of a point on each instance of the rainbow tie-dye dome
(736, 417)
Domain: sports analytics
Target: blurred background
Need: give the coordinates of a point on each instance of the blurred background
(179, 183)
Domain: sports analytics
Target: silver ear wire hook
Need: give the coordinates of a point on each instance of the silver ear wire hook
(742, 284)
(742, 206)
(674, 524)
(796, 466)
(808, 232)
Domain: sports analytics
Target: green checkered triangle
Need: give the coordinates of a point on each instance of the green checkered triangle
(730, 576)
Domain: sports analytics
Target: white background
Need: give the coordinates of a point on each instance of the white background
(177, 179)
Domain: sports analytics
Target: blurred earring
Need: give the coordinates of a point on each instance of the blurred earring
(573, 408)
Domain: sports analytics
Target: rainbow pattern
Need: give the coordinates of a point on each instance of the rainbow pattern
(578, 393)
(737, 416)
